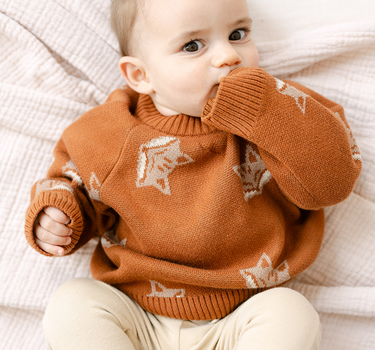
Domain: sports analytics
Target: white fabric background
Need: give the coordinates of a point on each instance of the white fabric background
(58, 58)
(284, 19)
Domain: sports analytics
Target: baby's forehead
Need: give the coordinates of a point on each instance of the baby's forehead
(165, 17)
(171, 20)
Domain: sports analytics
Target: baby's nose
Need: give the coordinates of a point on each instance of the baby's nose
(226, 56)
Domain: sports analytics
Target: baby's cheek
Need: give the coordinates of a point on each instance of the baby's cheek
(193, 84)
(181, 86)
(187, 85)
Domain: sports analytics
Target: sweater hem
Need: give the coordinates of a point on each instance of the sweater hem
(203, 307)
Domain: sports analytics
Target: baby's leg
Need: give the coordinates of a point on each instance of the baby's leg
(277, 319)
(88, 314)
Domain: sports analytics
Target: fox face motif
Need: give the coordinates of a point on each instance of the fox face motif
(253, 173)
(264, 275)
(156, 161)
(110, 239)
(353, 144)
(291, 91)
(94, 190)
(48, 185)
(70, 171)
(158, 290)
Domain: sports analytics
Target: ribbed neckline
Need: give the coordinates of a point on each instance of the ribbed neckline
(179, 124)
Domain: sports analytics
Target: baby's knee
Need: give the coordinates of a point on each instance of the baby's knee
(297, 307)
(73, 291)
(85, 313)
(286, 307)
(68, 302)
(278, 318)
(289, 304)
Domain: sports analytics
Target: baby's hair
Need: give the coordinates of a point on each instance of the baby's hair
(124, 14)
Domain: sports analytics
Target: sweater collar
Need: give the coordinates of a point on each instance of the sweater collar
(179, 124)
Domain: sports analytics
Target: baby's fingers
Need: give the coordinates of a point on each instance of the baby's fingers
(50, 238)
(50, 231)
(55, 227)
(49, 248)
(57, 215)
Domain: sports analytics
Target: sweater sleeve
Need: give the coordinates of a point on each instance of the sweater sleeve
(302, 137)
(83, 159)
(65, 188)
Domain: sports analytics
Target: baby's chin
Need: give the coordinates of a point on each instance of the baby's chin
(197, 111)
(192, 109)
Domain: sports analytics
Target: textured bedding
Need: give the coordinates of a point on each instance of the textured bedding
(58, 59)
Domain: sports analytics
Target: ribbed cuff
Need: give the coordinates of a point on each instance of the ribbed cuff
(238, 102)
(62, 200)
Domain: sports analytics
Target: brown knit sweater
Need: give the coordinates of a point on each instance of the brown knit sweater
(196, 215)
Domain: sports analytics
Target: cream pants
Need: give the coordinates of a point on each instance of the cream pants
(88, 314)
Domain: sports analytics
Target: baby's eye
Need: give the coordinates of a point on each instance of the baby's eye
(193, 46)
(237, 35)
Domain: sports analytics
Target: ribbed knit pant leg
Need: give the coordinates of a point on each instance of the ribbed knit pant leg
(88, 314)
(277, 319)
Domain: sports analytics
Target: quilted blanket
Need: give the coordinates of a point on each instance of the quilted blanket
(58, 59)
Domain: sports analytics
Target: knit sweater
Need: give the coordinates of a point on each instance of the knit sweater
(196, 215)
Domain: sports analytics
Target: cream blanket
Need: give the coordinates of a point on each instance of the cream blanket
(59, 58)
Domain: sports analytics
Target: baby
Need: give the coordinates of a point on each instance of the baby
(206, 179)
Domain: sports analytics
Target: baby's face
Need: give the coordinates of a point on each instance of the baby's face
(188, 45)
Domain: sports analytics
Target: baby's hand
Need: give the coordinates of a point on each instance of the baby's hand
(51, 232)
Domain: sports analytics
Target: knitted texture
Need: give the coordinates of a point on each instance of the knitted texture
(196, 215)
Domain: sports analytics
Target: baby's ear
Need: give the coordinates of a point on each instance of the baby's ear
(134, 72)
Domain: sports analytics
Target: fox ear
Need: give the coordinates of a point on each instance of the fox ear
(264, 262)
(282, 267)
(134, 71)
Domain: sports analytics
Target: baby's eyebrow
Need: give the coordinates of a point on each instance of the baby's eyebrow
(245, 21)
(188, 36)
